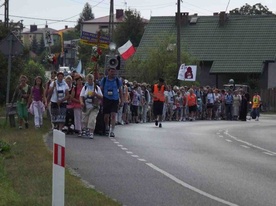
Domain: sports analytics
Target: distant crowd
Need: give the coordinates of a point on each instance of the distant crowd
(85, 106)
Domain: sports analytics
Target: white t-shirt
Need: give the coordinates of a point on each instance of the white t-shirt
(59, 91)
(170, 96)
(87, 92)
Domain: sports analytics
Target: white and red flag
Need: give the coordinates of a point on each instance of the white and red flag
(127, 50)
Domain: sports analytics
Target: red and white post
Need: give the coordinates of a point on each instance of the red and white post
(58, 168)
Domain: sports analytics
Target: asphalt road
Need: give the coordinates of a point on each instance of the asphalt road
(204, 163)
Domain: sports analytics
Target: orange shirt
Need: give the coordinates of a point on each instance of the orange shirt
(191, 98)
(256, 101)
(158, 95)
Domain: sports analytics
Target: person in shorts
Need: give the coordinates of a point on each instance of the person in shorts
(158, 100)
(111, 87)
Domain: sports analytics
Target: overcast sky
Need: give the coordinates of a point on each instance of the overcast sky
(54, 11)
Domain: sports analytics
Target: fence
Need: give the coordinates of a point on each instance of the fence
(269, 99)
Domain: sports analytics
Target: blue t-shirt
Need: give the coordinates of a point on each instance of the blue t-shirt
(110, 88)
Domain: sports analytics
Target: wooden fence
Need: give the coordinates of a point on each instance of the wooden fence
(268, 97)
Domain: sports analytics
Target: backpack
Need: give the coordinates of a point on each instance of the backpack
(228, 99)
(117, 82)
(96, 103)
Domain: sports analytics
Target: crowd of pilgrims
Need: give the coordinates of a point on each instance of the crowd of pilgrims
(210, 103)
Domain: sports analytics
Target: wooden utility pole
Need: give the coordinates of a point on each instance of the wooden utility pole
(178, 35)
(6, 13)
(96, 69)
(111, 20)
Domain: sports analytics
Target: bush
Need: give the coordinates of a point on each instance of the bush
(4, 147)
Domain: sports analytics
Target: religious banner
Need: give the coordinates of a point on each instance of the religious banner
(48, 38)
(181, 72)
(187, 72)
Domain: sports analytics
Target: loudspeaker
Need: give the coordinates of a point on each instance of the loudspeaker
(113, 61)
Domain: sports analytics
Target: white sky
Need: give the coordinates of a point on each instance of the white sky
(69, 10)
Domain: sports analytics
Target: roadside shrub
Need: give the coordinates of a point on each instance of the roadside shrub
(4, 147)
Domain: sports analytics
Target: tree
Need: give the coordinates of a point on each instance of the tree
(161, 62)
(34, 47)
(32, 69)
(132, 28)
(257, 9)
(41, 46)
(3, 31)
(85, 16)
(70, 35)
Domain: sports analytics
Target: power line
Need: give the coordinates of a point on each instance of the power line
(41, 19)
(53, 20)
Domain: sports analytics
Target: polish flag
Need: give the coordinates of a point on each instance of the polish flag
(127, 50)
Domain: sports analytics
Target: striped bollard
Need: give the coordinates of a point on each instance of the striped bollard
(58, 168)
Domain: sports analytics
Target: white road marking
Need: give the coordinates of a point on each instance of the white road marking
(249, 144)
(134, 155)
(124, 148)
(228, 140)
(221, 136)
(142, 160)
(245, 146)
(175, 179)
(116, 142)
(119, 145)
(129, 152)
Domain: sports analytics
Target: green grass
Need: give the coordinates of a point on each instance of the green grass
(26, 172)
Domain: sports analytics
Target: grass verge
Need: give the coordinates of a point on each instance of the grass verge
(26, 172)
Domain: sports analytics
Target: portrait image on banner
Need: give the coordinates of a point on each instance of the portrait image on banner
(190, 73)
(187, 72)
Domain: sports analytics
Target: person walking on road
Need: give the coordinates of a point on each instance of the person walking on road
(21, 96)
(256, 102)
(90, 97)
(59, 93)
(37, 102)
(111, 87)
(158, 100)
(191, 103)
(75, 98)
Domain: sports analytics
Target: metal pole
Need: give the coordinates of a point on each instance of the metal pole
(178, 36)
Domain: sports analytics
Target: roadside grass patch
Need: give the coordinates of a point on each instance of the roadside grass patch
(26, 172)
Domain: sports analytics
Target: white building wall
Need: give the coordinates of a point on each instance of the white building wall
(92, 28)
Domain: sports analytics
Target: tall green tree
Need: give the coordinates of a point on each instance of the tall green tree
(85, 16)
(247, 9)
(132, 28)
